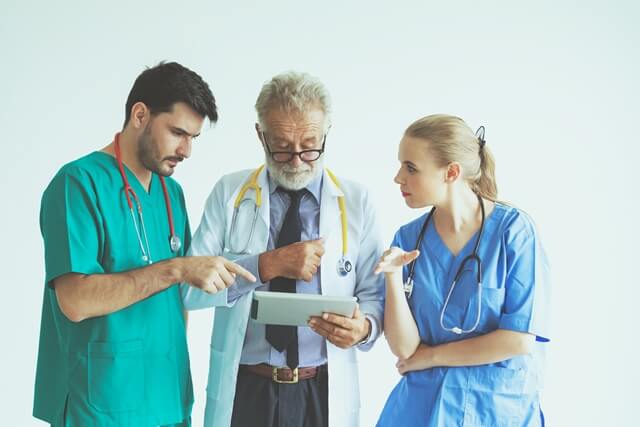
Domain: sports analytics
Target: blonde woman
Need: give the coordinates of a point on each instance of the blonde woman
(467, 289)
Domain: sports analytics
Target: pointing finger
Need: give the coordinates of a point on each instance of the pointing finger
(237, 269)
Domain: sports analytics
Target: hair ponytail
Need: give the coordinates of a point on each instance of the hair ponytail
(485, 185)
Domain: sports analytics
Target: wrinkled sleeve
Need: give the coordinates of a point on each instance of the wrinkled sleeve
(528, 288)
(208, 240)
(370, 287)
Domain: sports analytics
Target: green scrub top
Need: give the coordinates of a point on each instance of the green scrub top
(131, 367)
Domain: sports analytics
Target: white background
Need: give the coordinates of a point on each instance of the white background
(555, 84)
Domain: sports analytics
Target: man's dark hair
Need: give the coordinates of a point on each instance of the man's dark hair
(165, 84)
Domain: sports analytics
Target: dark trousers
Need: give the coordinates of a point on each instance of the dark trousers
(261, 402)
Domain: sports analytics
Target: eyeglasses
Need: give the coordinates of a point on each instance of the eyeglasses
(287, 156)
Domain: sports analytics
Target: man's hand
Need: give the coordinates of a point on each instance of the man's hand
(299, 261)
(342, 331)
(419, 361)
(211, 273)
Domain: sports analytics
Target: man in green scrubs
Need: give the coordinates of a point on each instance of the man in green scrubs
(113, 349)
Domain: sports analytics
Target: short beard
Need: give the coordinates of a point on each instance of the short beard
(291, 178)
(147, 153)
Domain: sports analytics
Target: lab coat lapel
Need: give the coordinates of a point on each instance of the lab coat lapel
(343, 371)
(330, 230)
(264, 214)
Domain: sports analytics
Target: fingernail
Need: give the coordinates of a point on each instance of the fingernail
(325, 316)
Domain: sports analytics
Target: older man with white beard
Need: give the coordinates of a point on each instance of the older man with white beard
(284, 223)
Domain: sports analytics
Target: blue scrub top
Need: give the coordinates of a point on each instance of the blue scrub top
(515, 296)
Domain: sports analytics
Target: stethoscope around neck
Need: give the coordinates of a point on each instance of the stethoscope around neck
(141, 232)
(408, 284)
(343, 266)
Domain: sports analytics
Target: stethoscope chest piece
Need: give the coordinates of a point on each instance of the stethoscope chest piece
(175, 243)
(344, 266)
(408, 287)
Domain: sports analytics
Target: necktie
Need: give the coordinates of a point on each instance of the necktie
(279, 336)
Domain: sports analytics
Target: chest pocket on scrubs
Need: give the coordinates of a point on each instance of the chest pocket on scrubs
(490, 310)
(463, 306)
(116, 375)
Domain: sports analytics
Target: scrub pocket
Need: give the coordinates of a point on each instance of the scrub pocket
(495, 397)
(116, 375)
(490, 311)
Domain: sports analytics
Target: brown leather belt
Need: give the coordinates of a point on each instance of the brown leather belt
(283, 375)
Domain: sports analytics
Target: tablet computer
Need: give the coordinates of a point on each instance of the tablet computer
(284, 308)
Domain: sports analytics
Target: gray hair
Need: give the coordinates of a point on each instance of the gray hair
(293, 92)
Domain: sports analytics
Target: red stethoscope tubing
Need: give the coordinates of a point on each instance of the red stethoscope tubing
(128, 191)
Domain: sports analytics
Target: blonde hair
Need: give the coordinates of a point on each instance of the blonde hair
(449, 139)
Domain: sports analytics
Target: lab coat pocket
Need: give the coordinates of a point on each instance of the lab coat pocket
(116, 375)
(495, 397)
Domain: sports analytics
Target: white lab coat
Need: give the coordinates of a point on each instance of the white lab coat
(230, 322)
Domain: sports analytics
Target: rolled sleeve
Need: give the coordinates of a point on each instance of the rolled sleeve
(207, 241)
(370, 286)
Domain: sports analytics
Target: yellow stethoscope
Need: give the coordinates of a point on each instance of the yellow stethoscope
(344, 266)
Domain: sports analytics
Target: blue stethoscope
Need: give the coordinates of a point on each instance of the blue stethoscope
(343, 267)
(141, 232)
(408, 285)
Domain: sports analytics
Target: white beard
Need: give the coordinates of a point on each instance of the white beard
(291, 178)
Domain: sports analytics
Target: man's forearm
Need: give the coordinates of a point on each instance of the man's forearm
(267, 266)
(84, 296)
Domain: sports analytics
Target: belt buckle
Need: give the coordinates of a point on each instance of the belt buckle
(274, 376)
